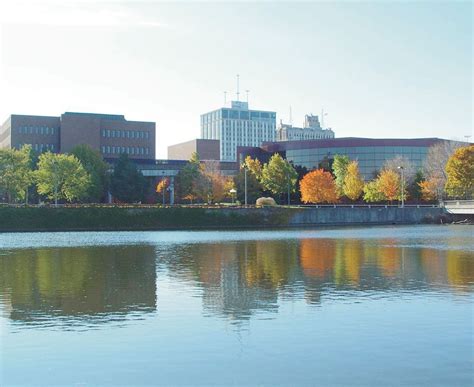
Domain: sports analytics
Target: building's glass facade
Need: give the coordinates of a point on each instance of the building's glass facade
(370, 158)
(370, 153)
(238, 126)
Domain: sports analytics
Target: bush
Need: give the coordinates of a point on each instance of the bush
(262, 202)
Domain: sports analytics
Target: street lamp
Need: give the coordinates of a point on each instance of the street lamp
(245, 183)
(402, 186)
(233, 192)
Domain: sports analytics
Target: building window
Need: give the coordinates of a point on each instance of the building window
(103, 148)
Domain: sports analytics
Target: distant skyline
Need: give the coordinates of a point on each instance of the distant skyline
(379, 69)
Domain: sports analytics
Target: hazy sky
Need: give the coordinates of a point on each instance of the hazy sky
(380, 69)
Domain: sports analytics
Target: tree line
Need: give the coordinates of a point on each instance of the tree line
(448, 171)
(80, 176)
(83, 176)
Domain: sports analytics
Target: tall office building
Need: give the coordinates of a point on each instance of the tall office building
(110, 134)
(238, 126)
(311, 130)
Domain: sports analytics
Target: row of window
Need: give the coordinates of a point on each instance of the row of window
(40, 147)
(44, 130)
(129, 150)
(237, 115)
(125, 134)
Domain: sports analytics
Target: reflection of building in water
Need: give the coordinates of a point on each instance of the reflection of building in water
(91, 282)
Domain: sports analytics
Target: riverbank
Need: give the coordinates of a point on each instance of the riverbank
(90, 218)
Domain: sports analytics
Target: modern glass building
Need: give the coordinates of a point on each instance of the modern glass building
(371, 153)
(238, 126)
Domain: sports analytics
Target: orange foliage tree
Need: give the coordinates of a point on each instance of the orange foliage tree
(430, 189)
(389, 184)
(318, 187)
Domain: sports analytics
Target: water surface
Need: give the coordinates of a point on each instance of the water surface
(354, 306)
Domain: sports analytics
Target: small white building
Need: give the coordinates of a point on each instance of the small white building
(311, 130)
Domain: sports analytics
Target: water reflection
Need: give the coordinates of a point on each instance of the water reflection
(79, 284)
(234, 279)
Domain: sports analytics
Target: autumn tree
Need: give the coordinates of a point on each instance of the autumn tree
(213, 182)
(97, 169)
(460, 173)
(434, 167)
(398, 162)
(61, 176)
(339, 170)
(279, 176)
(15, 173)
(318, 187)
(353, 181)
(161, 187)
(372, 192)
(388, 184)
(428, 189)
(253, 166)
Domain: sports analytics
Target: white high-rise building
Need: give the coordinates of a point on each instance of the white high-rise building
(238, 126)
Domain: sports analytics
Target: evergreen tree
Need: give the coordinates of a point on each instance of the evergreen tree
(127, 183)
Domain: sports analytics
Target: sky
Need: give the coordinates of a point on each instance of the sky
(383, 69)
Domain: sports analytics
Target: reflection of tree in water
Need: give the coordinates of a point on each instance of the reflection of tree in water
(239, 278)
(79, 282)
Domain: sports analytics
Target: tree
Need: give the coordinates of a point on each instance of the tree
(409, 172)
(434, 166)
(388, 183)
(372, 192)
(97, 168)
(127, 183)
(15, 172)
(215, 189)
(161, 187)
(254, 166)
(254, 188)
(428, 189)
(279, 176)
(318, 187)
(414, 189)
(187, 178)
(61, 176)
(353, 181)
(339, 169)
(460, 173)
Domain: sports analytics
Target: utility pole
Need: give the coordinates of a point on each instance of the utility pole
(55, 168)
(245, 183)
(402, 186)
(288, 184)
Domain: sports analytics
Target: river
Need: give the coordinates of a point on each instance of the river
(331, 307)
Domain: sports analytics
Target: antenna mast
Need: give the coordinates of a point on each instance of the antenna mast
(291, 117)
(238, 90)
(225, 98)
(247, 94)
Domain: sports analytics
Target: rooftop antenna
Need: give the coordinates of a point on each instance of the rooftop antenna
(238, 90)
(322, 118)
(467, 137)
(225, 98)
(291, 117)
(247, 93)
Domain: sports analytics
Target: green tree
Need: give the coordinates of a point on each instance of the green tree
(127, 183)
(15, 173)
(460, 172)
(61, 176)
(254, 188)
(97, 168)
(353, 181)
(415, 188)
(372, 192)
(188, 178)
(339, 170)
(278, 175)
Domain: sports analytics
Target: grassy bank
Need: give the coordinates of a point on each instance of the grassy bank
(130, 218)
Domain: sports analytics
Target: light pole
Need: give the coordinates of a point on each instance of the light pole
(402, 186)
(288, 185)
(245, 184)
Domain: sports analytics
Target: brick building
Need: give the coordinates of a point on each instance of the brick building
(110, 134)
(206, 150)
